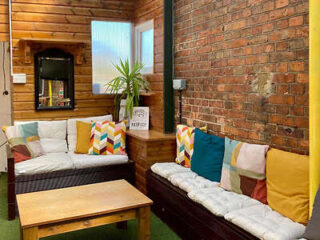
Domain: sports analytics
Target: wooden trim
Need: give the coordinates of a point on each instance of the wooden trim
(168, 94)
(54, 229)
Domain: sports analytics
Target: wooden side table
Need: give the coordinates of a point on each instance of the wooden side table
(146, 148)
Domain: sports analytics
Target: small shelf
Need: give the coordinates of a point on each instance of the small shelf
(27, 43)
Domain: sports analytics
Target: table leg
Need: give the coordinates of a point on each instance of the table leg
(30, 233)
(144, 223)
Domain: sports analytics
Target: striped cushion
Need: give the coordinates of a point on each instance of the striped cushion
(108, 138)
(185, 139)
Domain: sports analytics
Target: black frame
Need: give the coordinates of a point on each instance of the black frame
(168, 93)
(54, 53)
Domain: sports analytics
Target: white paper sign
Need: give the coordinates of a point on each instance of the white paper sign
(140, 118)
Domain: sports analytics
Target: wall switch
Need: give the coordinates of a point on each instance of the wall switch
(179, 84)
(19, 78)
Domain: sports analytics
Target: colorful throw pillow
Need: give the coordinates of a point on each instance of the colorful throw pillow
(288, 184)
(185, 140)
(108, 138)
(312, 230)
(83, 137)
(249, 163)
(24, 141)
(208, 155)
(230, 179)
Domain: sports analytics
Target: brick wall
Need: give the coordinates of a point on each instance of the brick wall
(246, 65)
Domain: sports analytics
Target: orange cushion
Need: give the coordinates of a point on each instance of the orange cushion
(83, 137)
(288, 184)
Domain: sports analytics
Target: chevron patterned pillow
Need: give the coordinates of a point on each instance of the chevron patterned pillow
(185, 139)
(108, 138)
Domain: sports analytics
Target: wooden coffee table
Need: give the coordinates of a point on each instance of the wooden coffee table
(52, 212)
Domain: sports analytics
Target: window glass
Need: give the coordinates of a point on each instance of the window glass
(111, 41)
(147, 50)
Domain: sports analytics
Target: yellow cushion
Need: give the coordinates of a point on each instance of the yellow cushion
(288, 184)
(83, 137)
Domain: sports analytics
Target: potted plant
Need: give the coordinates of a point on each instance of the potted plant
(127, 86)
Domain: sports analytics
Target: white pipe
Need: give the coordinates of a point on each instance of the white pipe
(10, 30)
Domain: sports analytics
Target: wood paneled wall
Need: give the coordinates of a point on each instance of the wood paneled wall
(4, 20)
(144, 11)
(62, 19)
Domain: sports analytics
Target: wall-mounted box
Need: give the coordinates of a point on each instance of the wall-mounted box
(20, 78)
(179, 84)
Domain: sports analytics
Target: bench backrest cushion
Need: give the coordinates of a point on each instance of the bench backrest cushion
(207, 156)
(52, 135)
(72, 128)
(288, 184)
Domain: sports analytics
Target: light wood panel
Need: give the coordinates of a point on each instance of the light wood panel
(4, 20)
(101, 198)
(146, 148)
(70, 21)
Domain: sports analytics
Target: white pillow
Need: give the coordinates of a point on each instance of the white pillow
(52, 134)
(51, 145)
(72, 128)
(53, 129)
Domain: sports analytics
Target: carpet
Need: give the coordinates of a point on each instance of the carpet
(9, 230)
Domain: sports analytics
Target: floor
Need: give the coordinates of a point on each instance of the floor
(9, 230)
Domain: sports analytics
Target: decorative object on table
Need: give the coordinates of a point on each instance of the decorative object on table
(127, 86)
(139, 119)
(108, 138)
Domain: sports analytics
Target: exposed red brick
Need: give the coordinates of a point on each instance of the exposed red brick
(228, 52)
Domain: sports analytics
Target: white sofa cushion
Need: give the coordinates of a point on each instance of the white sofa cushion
(51, 132)
(189, 181)
(44, 164)
(72, 128)
(51, 145)
(165, 170)
(261, 221)
(219, 201)
(86, 161)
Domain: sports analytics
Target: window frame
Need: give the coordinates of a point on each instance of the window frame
(138, 30)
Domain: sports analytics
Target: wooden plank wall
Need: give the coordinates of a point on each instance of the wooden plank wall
(4, 20)
(146, 10)
(62, 19)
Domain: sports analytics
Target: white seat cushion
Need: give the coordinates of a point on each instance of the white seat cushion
(165, 170)
(261, 221)
(189, 181)
(72, 128)
(219, 201)
(86, 161)
(44, 164)
(52, 134)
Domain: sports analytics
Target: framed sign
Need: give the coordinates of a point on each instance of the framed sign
(140, 118)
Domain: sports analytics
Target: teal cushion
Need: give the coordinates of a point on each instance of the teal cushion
(208, 155)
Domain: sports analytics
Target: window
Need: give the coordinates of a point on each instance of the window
(144, 45)
(111, 41)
